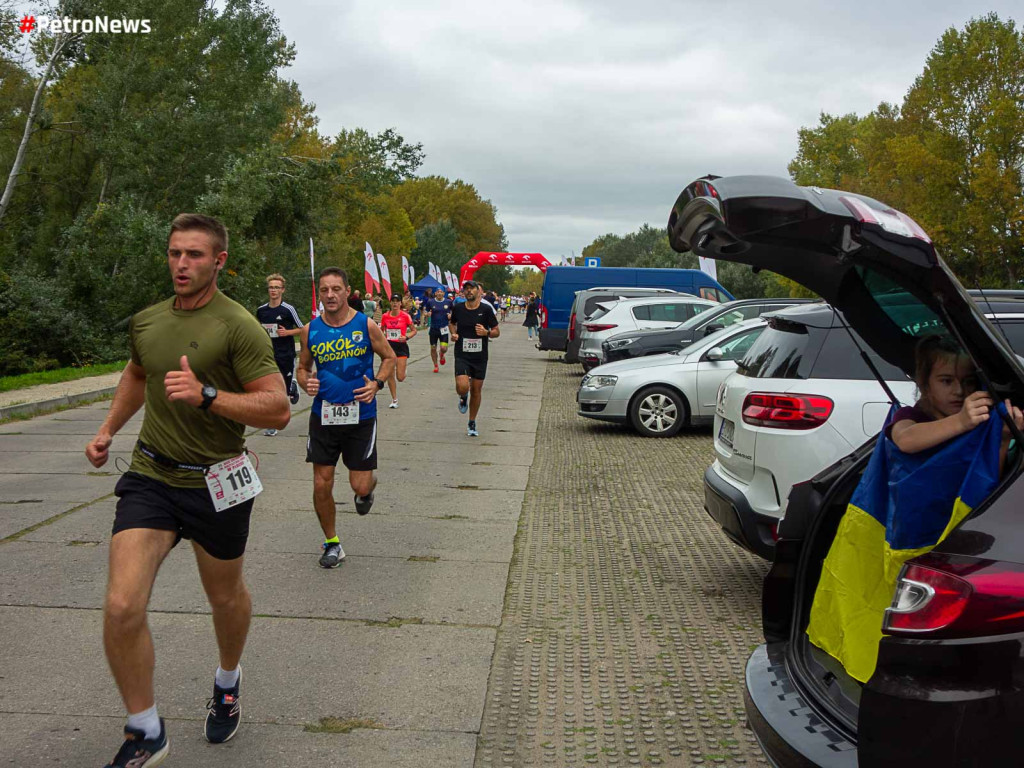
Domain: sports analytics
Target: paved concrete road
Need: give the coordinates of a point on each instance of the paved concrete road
(382, 662)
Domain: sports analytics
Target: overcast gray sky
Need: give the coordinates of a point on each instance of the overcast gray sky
(581, 118)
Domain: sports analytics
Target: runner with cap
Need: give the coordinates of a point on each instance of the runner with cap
(440, 309)
(473, 324)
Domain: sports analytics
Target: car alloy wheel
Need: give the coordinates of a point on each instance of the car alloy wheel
(658, 412)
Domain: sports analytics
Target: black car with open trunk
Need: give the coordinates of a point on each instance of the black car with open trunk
(948, 686)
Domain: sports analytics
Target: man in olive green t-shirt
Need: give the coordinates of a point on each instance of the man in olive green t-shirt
(204, 368)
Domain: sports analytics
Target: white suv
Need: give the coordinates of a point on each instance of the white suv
(635, 314)
(801, 398)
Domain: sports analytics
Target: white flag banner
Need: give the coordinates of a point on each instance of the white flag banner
(371, 278)
(451, 279)
(412, 275)
(385, 275)
(708, 267)
(436, 273)
(405, 275)
(312, 278)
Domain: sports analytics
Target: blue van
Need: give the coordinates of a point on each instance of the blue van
(562, 283)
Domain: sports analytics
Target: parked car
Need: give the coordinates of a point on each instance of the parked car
(634, 314)
(586, 303)
(947, 687)
(660, 394)
(816, 400)
(562, 283)
(630, 344)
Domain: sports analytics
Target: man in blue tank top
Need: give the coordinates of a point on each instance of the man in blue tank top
(343, 419)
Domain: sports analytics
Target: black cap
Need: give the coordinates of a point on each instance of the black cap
(471, 284)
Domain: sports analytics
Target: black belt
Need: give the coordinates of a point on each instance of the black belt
(168, 462)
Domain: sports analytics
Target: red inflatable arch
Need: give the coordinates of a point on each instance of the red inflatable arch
(504, 259)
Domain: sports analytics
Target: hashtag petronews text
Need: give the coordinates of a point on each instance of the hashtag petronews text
(97, 24)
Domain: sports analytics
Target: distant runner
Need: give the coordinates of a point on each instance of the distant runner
(439, 308)
(343, 419)
(398, 329)
(203, 368)
(281, 322)
(473, 323)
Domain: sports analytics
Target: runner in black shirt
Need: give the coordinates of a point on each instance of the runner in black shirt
(473, 323)
(281, 322)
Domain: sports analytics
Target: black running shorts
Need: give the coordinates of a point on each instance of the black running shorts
(475, 369)
(401, 348)
(355, 444)
(437, 337)
(143, 502)
(287, 367)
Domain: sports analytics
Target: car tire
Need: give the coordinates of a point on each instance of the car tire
(658, 412)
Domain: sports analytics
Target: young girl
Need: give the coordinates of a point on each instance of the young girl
(950, 402)
(398, 329)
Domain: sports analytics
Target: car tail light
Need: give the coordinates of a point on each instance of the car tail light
(594, 327)
(891, 221)
(572, 326)
(543, 315)
(957, 596)
(765, 409)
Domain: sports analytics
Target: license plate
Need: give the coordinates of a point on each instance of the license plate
(725, 432)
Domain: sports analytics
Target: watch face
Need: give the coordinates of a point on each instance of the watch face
(209, 391)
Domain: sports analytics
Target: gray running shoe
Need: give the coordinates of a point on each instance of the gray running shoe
(332, 556)
(471, 430)
(463, 403)
(363, 503)
(270, 432)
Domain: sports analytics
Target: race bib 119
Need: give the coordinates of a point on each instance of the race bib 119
(232, 481)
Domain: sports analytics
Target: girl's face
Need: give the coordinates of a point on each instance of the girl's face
(951, 380)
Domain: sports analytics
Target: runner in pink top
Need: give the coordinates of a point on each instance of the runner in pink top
(398, 329)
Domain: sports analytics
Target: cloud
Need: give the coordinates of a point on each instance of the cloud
(580, 118)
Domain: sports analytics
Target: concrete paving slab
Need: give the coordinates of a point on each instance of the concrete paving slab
(296, 531)
(422, 476)
(84, 430)
(363, 588)
(93, 740)
(43, 463)
(59, 444)
(297, 671)
(15, 517)
(71, 487)
(458, 448)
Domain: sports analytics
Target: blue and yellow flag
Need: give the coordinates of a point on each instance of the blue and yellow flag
(903, 507)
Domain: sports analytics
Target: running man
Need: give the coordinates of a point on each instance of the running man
(204, 369)
(473, 323)
(281, 322)
(398, 329)
(343, 419)
(440, 310)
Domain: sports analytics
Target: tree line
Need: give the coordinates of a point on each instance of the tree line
(104, 138)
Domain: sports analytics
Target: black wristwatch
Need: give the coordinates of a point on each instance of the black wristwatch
(209, 395)
(380, 384)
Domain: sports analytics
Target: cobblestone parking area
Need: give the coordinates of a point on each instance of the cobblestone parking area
(628, 616)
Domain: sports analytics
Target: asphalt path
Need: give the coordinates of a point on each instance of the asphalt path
(383, 661)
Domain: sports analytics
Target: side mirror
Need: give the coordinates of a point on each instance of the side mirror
(712, 328)
(715, 353)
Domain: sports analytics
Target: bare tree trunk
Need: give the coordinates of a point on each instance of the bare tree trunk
(37, 98)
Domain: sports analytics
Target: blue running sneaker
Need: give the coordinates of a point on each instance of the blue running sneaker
(140, 752)
(225, 712)
(471, 431)
(463, 403)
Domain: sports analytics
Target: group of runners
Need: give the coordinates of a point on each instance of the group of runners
(204, 369)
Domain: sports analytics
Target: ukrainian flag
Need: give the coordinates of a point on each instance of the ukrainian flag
(903, 507)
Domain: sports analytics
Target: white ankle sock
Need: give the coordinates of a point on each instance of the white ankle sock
(227, 679)
(147, 721)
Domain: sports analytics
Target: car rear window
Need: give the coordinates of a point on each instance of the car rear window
(779, 352)
(840, 358)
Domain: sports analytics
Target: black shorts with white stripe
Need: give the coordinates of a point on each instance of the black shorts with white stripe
(355, 444)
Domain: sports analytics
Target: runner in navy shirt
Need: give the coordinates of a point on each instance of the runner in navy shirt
(440, 310)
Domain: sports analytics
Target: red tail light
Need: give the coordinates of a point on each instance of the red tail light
(890, 220)
(765, 409)
(957, 596)
(572, 326)
(543, 316)
(594, 327)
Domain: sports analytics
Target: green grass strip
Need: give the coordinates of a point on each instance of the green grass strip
(8, 383)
